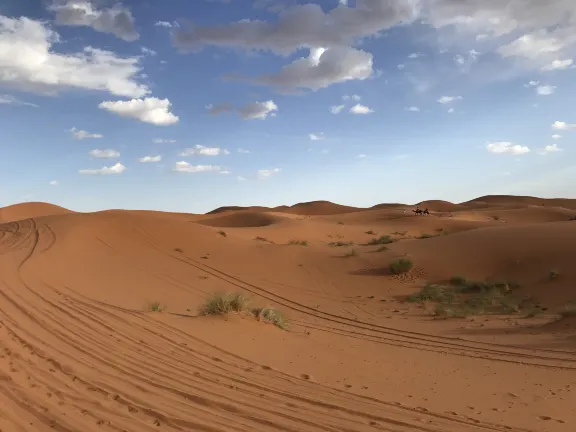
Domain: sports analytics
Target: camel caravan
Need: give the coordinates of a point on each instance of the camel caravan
(419, 212)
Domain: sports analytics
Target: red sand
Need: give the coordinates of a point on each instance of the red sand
(80, 350)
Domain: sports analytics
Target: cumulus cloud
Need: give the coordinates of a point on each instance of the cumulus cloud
(82, 134)
(165, 24)
(104, 154)
(449, 99)
(116, 20)
(149, 110)
(413, 109)
(552, 148)
(243, 151)
(28, 62)
(560, 125)
(302, 26)
(164, 141)
(266, 173)
(532, 84)
(545, 90)
(204, 151)
(504, 147)
(558, 65)
(118, 168)
(322, 68)
(150, 159)
(556, 136)
(316, 137)
(185, 167)
(258, 110)
(361, 109)
(54, 183)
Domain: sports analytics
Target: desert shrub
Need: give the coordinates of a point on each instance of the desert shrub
(350, 253)
(451, 311)
(299, 242)
(382, 240)
(382, 249)
(260, 238)
(370, 232)
(553, 274)
(178, 250)
(270, 315)
(401, 265)
(340, 223)
(340, 243)
(224, 303)
(222, 233)
(425, 236)
(569, 311)
(458, 280)
(156, 306)
(435, 293)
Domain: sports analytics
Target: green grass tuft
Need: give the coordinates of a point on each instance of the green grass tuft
(156, 307)
(270, 315)
(382, 249)
(340, 243)
(351, 253)
(299, 242)
(382, 240)
(435, 293)
(400, 266)
(224, 303)
(222, 233)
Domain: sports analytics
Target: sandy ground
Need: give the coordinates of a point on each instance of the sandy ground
(81, 351)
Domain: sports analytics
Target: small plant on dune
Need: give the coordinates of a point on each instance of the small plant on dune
(222, 233)
(496, 217)
(299, 242)
(435, 293)
(178, 250)
(224, 303)
(156, 307)
(400, 266)
(351, 253)
(370, 232)
(340, 223)
(261, 238)
(382, 249)
(270, 315)
(382, 240)
(449, 311)
(425, 236)
(553, 274)
(340, 243)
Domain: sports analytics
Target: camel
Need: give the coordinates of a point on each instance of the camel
(418, 212)
(426, 212)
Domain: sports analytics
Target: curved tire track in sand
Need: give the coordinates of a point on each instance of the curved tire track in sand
(68, 363)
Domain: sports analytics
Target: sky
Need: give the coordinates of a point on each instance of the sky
(186, 106)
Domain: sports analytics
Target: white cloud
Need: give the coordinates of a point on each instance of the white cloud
(558, 65)
(415, 55)
(552, 148)
(29, 63)
(185, 167)
(413, 109)
(241, 179)
(532, 84)
(243, 151)
(148, 51)
(451, 110)
(545, 90)
(361, 156)
(104, 154)
(225, 172)
(82, 134)
(204, 151)
(163, 24)
(503, 147)
(560, 125)
(150, 159)
(116, 20)
(322, 68)
(118, 168)
(54, 183)
(164, 141)
(556, 136)
(316, 137)
(337, 109)
(219, 108)
(11, 100)
(149, 110)
(449, 99)
(360, 109)
(401, 67)
(265, 173)
(258, 110)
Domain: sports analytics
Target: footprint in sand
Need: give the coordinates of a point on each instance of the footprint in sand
(306, 377)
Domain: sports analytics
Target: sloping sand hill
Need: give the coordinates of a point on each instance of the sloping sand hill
(100, 330)
(29, 210)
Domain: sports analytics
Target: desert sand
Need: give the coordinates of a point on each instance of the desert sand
(81, 348)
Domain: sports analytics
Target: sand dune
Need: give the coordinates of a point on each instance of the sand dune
(29, 210)
(80, 348)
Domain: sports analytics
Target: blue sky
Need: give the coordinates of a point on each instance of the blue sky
(190, 105)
